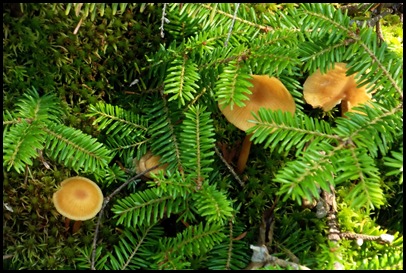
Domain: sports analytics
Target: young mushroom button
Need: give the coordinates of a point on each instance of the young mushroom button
(267, 92)
(78, 199)
(148, 161)
(327, 90)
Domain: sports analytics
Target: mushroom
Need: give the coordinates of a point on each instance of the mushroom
(78, 199)
(327, 90)
(148, 161)
(267, 92)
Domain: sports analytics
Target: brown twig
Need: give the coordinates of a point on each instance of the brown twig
(378, 27)
(7, 256)
(267, 225)
(229, 167)
(26, 175)
(105, 202)
(334, 233)
(261, 258)
(385, 238)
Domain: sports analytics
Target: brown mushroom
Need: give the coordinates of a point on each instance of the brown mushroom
(267, 92)
(148, 161)
(327, 90)
(78, 199)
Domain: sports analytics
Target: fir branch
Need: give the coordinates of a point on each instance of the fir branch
(303, 177)
(181, 79)
(395, 162)
(173, 184)
(313, 51)
(125, 245)
(83, 260)
(105, 202)
(125, 130)
(249, 23)
(274, 46)
(145, 207)
(324, 13)
(113, 174)
(367, 191)
(194, 240)
(20, 143)
(164, 139)
(75, 149)
(263, 49)
(225, 55)
(116, 120)
(10, 118)
(282, 130)
(126, 147)
(209, 40)
(181, 25)
(233, 85)
(383, 125)
(35, 108)
(196, 98)
(23, 137)
(212, 204)
(231, 253)
(197, 141)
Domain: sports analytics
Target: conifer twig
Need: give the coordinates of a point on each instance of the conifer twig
(105, 202)
(261, 258)
(334, 233)
(264, 28)
(163, 20)
(232, 25)
(386, 238)
(229, 167)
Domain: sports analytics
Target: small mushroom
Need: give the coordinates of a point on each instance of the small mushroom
(267, 92)
(78, 199)
(327, 90)
(148, 161)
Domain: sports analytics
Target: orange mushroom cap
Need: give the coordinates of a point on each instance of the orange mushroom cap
(78, 198)
(267, 92)
(327, 90)
(354, 97)
(148, 161)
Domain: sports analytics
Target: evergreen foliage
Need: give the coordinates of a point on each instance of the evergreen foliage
(125, 131)
(230, 253)
(194, 215)
(23, 129)
(35, 128)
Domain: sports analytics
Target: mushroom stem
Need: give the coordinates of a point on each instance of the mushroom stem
(67, 222)
(76, 226)
(345, 107)
(243, 157)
